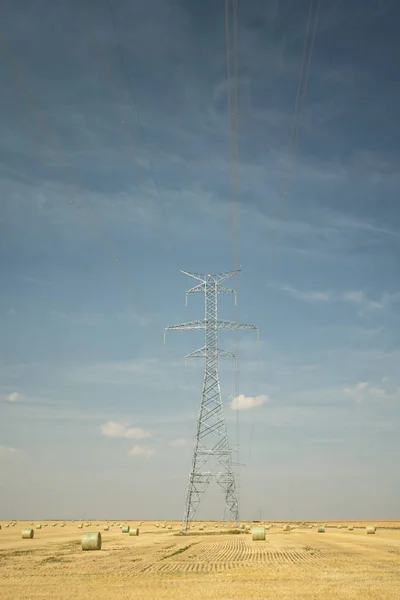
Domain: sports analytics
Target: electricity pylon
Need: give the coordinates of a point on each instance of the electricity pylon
(211, 437)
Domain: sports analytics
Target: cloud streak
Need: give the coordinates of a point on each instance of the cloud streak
(12, 397)
(116, 430)
(9, 453)
(363, 390)
(355, 297)
(179, 443)
(141, 451)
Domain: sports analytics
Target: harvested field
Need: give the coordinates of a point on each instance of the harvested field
(161, 565)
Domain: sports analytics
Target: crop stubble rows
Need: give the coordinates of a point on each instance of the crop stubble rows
(217, 556)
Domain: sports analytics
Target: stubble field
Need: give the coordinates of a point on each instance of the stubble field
(160, 565)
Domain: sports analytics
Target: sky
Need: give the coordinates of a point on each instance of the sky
(115, 174)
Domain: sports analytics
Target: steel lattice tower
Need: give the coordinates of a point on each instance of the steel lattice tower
(211, 438)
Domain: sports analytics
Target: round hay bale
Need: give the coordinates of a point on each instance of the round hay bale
(91, 541)
(321, 529)
(7, 525)
(157, 525)
(258, 533)
(80, 526)
(106, 528)
(27, 534)
(370, 529)
(134, 531)
(38, 527)
(125, 529)
(45, 524)
(163, 526)
(350, 528)
(248, 528)
(62, 525)
(286, 527)
(169, 527)
(201, 527)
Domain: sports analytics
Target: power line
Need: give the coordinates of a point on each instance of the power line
(307, 70)
(301, 91)
(233, 144)
(304, 90)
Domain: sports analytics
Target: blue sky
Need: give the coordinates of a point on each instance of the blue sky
(114, 175)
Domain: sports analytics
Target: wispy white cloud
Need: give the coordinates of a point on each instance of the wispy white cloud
(357, 391)
(242, 402)
(361, 299)
(179, 442)
(143, 451)
(364, 390)
(113, 429)
(308, 295)
(7, 452)
(376, 392)
(355, 297)
(12, 397)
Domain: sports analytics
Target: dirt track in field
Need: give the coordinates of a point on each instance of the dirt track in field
(159, 565)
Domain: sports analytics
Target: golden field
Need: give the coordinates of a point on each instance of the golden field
(160, 565)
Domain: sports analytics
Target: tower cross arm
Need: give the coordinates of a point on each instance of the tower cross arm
(190, 325)
(233, 326)
(217, 277)
(200, 289)
(202, 353)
